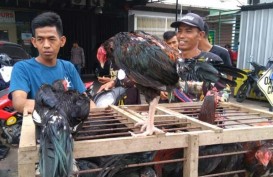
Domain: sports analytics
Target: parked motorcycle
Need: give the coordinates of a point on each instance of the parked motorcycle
(250, 83)
(10, 120)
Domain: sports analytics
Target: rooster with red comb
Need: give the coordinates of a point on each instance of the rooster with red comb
(154, 66)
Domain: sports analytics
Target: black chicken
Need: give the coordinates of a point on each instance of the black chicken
(206, 165)
(87, 165)
(257, 160)
(58, 113)
(115, 165)
(230, 162)
(153, 66)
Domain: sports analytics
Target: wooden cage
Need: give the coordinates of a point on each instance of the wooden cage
(179, 120)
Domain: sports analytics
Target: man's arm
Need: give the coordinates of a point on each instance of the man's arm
(24, 105)
(21, 103)
(107, 86)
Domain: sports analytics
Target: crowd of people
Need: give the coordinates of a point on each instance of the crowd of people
(190, 40)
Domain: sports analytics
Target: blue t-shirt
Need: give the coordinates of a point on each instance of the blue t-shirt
(29, 75)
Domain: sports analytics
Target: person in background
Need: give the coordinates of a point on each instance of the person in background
(206, 46)
(232, 55)
(28, 75)
(77, 57)
(171, 39)
(132, 95)
(104, 75)
(223, 53)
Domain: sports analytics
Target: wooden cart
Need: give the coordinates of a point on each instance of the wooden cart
(177, 119)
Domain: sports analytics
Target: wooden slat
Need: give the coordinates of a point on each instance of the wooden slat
(130, 117)
(26, 170)
(248, 109)
(27, 153)
(101, 147)
(204, 125)
(28, 139)
(236, 135)
(191, 154)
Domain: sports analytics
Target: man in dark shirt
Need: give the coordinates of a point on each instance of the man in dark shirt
(206, 46)
(190, 33)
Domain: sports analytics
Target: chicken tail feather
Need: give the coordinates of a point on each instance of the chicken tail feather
(56, 148)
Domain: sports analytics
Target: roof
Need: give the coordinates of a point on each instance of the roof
(207, 4)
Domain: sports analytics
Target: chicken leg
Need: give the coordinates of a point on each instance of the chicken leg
(148, 125)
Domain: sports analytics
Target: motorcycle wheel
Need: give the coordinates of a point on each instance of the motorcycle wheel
(241, 94)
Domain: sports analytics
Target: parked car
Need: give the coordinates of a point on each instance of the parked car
(15, 51)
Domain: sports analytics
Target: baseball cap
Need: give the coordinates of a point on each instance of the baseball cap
(191, 19)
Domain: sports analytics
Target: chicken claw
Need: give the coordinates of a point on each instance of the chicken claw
(146, 130)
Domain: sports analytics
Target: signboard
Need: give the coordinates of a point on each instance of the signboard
(7, 16)
(266, 85)
(26, 37)
(212, 36)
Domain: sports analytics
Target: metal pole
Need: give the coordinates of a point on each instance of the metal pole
(176, 8)
(219, 30)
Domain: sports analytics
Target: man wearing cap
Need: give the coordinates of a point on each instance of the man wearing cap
(190, 33)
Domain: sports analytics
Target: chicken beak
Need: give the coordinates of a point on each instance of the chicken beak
(265, 163)
(102, 65)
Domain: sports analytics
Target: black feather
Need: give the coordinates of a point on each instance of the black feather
(116, 165)
(59, 113)
(232, 71)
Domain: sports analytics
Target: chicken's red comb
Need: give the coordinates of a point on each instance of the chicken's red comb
(101, 54)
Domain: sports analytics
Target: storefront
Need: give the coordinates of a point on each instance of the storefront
(82, 25)
(15, 27)
(7, 26)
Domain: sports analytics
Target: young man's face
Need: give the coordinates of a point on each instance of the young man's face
(48, 42)
(173, 42)
(188, 37)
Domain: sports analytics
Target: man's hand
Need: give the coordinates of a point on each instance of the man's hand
(21, 103)
(29, 107)
(104, 80)
(107, 86)
(92, 104)
(163, 95)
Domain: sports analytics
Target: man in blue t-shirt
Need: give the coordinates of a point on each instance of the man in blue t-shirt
(28, 75)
